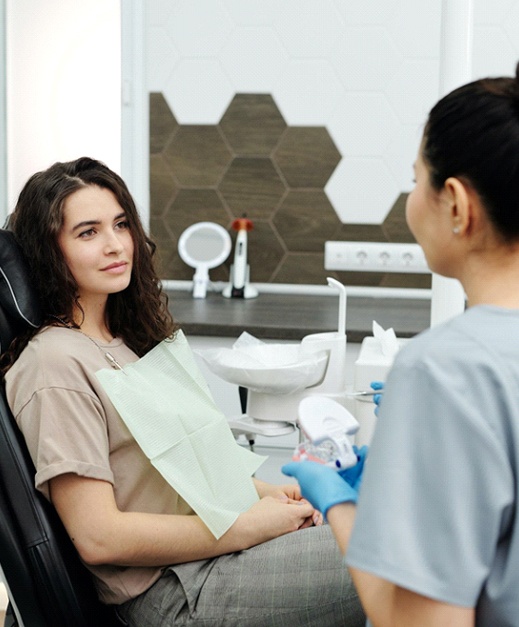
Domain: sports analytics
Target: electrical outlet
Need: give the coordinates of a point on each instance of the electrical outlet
(374, 257)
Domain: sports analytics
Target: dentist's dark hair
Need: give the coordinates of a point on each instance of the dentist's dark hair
(473, 134)
(139, 314)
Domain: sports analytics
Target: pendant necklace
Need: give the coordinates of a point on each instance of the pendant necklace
(108, 356)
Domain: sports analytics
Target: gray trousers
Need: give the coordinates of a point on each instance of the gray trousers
(298, 579)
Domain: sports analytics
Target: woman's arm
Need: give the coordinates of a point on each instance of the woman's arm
(389, 605)
(103, 534)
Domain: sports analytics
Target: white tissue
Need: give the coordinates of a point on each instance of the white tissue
(166, 404)
(266, 368)
(388, 341)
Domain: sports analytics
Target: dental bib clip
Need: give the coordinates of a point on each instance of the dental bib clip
(328, 427)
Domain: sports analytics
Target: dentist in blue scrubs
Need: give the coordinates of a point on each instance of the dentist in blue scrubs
(428, 521)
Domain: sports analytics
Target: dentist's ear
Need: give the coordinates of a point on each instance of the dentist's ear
(462, 202)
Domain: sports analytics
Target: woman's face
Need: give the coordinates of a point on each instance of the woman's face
(428, 220)
(96, 242)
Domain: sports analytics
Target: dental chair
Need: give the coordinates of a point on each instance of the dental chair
(46, 582)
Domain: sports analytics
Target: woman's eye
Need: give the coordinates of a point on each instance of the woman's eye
(122, 225)
(87, 233)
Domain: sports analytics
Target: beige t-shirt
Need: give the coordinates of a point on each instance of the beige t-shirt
(71, 426)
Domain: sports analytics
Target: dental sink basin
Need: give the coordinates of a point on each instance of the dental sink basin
(269, 368)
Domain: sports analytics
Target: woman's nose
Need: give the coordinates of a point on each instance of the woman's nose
(113, 244)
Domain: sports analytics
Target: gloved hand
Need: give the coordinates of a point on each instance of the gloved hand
(353, 475)
(320, 484)
(377, 398)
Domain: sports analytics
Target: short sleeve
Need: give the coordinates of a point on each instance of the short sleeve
(438, 486)
(66, 432)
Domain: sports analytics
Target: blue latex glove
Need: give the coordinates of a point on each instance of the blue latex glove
(353, 475)
(377, 398)
(321, 485)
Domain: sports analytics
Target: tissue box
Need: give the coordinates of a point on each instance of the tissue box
(371, 365)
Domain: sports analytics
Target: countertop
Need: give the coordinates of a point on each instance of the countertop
(291, 317)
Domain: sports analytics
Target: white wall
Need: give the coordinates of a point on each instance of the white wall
(366, 69)
(63, 85)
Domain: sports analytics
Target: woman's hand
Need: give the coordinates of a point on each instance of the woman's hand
(288, 493)
(270, 518)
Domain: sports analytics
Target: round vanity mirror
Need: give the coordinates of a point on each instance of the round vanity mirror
(202, 246)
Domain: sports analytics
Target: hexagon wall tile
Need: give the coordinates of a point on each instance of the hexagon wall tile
(252, 124)
(198, 156)
(252, 162)
(306, 156)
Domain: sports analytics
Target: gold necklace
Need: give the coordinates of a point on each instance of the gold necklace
(108, 356)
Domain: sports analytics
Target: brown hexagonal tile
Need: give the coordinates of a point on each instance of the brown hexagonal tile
(411, 280)
(162, 185)
(195, 205)
(302, 268)
(162, 122)
(198, 156)
(395, 225)
(264, 251)
(252, 187)
(359, 233)
(369, 279)
(252, 124)
(306, 156)
(306, 220)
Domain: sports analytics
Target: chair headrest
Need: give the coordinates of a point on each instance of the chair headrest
(18, 300)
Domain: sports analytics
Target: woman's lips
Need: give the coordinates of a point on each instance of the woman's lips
(116, 268)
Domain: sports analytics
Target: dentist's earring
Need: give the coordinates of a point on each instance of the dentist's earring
(456, 228)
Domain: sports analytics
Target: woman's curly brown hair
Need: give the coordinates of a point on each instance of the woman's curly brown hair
(139, 314)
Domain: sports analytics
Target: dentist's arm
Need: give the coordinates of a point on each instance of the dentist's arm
(386, 604)
(389, 605)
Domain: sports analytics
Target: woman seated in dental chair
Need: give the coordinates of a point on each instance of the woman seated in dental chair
(149, 552)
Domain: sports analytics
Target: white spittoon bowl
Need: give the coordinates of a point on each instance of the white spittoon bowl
(269, 369)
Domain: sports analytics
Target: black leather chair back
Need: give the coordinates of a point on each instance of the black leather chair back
(48, 586)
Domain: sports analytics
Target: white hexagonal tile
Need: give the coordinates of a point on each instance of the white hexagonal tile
(365, 58)
(363, 124)
(415, 28)
(161, 58)
(252, 13)
(199, 31)
(198, 91)
(307, 92)
(158, 11)
(363, 12)
(511, 25)
(253, 58)
(401, 153)
(493, 54)
(414, 90)
(307, 28)
(362, 191)
(494, 12)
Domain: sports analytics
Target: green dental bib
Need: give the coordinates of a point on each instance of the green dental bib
(164, 401)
